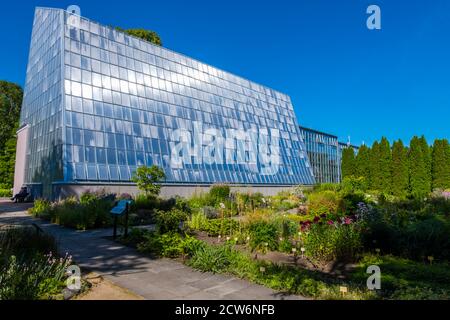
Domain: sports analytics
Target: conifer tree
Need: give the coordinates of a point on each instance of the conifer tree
(385, 166)
(362, 168)
(418, 174)
(440, 167)
(348, 162)
(427, 157)
(400, 168)
(374, 166)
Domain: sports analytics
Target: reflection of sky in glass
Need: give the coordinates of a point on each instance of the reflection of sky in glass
(125, 97)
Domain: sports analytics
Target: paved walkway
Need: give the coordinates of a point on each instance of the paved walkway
(151, 278)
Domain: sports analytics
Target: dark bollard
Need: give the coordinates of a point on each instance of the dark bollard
(126, 221)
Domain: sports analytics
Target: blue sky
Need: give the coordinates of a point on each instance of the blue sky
(342, 77)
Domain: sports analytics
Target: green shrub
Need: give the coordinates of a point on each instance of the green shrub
(326, 243)
(285, 246)
(353, 184)
(182, 204)
(143, 201)
(263, 236)
(216, 227)
(5, 193)
(219, 193)
(170, 244)
(211, 258)
(198, 221)
(200, 200)
(169, 221)
(324, 202)
(430, 237)
(350, 202)
(285, 226)
(91, 211)
(41, 209)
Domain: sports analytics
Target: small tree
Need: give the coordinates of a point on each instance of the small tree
(146, 179)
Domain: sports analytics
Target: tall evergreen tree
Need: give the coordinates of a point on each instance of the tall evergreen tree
(440, 166)
(427, 157)
(385, 166)
(362, 168)
(418, 174)
(374, 167)
(400, 168)
(348, 162)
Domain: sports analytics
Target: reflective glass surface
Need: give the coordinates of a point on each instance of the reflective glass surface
(42, 102)
(127, 103)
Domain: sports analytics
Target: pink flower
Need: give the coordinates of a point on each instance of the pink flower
(330, 222)
(347, 220)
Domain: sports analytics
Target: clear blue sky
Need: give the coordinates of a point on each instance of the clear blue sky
(342, 78)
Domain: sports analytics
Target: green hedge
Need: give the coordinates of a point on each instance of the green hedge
(5, 193)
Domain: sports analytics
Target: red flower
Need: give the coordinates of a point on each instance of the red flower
(316, 219)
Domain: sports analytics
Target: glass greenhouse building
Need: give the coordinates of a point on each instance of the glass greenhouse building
(322, 149)
(99, 103)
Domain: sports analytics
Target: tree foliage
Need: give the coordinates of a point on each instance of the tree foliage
(7, 162)
(362, 168)
(400, 169)
(348, 162)
(10, 104)
(385, 166)
(403, 171)
(147, 178)
(441, 164)
(148, 35)
(374, 167)
(418, 169)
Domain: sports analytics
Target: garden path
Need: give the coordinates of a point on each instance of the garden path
(150, 278)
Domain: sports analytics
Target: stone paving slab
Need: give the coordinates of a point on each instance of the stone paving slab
(159, 279)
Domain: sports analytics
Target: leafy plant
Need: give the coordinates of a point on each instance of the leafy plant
(170, 244)
(219, 193)
(169, 221)
(5, 193)
(323, 202)
(147, 178)
(263, 236)
(198, 221)
(326, 243)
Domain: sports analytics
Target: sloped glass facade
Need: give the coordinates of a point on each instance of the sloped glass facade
(126, 102)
